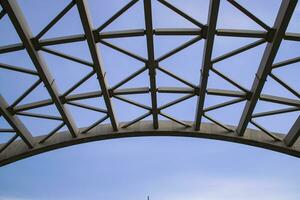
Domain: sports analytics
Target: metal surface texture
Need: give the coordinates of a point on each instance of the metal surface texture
(24, 144)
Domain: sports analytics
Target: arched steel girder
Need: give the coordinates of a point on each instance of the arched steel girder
(18, 149)
(34, 45)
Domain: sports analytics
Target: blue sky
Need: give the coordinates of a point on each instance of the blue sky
(164, 168)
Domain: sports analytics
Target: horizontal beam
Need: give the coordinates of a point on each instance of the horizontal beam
(177, 31)
(119, 34)
(280, 100)
(158, 31)
(18, 69)
(241, 33)
(11, 48)
(292, 36)
(226, 93)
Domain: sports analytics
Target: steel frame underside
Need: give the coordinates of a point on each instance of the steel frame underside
(23, 144)
(18, 150)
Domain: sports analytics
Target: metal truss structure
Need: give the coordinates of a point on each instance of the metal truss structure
(24, 144)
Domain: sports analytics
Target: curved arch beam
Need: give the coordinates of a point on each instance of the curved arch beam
(19, 150)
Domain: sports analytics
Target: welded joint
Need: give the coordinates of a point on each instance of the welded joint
(11, 110)
(96, 36)
(110, 92)
(203, 31)
(248, 95)
(205, 73)
(154, 64)
(62, 99)
(258, 78)
(270, 35)
(35, 43)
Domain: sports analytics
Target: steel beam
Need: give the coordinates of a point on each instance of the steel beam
(18, 69)
(293, 134)
(151, 60)
(11, 48)
(241, 33)
(16, 123)
(207, 55)
(282, 20)
(95, 54)
(17, 150)
(18, 20)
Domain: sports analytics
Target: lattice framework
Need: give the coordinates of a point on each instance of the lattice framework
(272, 37)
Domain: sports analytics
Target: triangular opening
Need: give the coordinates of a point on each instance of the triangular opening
(242, 67)
(164, 80)
(285, 120)
(78, 112)
(135, 45)
(229, 114)
(186, 63)
(166, 18)
(21, 82)
(37, 126)
(38, 94)
(134, 15)
(232, 18)
(294, 22)
(90, 85)
(217, 82)
(65, 73)
(71, 20)
(287, 74)
(258, 8)
(7, 32)
(285, 53)
(47, 110)
(192, 8)
(272, 87)
(142, 80)
(126, 111)
(183, 110)
(165, 44)
(17, 58)
(75, 49)
(44, 12)
(114, 61)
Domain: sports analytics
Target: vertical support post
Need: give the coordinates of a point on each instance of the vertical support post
(95, 54)
(151, 63)
(207, 55)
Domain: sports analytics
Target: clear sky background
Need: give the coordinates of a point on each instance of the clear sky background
(164, 168)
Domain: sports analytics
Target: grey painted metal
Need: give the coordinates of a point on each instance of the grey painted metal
(15, 123)
(282, 20)
(18, 20)
(17, 150)
(206, 63)
(293, 134)
(151, 63)
(87, 26)
(27, 145)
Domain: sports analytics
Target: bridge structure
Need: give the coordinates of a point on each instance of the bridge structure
(24, 144)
